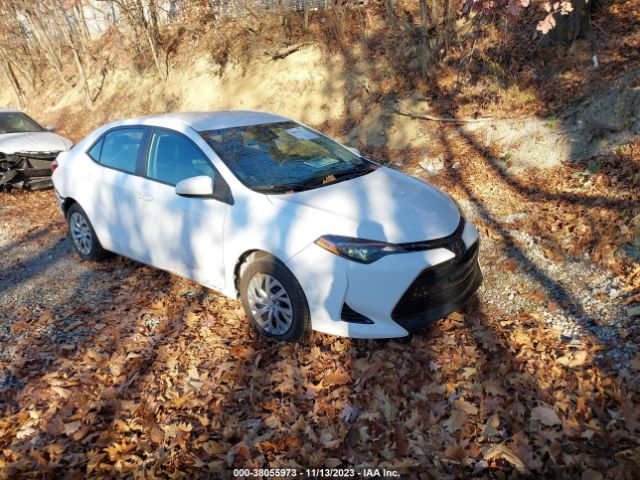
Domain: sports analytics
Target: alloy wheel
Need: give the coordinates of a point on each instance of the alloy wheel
(270, 304)
(81, 233)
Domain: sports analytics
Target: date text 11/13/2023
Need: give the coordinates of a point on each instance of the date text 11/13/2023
(315, 473)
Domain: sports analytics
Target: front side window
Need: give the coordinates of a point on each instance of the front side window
(119, 149)
(284, 156)
(173, 158)
(17, 122)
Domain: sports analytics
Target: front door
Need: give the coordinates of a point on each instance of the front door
(183, 235)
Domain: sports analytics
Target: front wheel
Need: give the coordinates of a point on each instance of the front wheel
(83, 236)
(274, 301)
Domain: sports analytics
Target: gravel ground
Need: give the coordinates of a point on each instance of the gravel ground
(574, 296)
(41, 275)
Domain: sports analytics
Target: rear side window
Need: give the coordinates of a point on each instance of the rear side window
(94, 153)
(119, 149)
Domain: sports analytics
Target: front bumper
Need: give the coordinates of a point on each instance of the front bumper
(439, 290)
(26, 170)
(390, 297)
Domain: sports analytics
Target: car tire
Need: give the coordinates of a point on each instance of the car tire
(274, 300)
(83, 236)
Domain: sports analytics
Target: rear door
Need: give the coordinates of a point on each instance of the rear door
(113, 202)
(183, 235)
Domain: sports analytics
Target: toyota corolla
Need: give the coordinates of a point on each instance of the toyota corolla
(308, 233)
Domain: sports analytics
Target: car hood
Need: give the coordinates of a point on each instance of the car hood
(33, 142)
(384, 205)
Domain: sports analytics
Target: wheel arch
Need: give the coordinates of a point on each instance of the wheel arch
(244, 259)
(66, 205)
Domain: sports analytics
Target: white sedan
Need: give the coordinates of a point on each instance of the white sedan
(20, 133)
(308, 233)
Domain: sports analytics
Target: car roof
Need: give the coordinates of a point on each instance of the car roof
(202, 121)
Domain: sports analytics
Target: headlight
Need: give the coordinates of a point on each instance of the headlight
(357, 249)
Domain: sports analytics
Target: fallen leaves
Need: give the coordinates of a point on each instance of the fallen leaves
(503, 451)
(71, 428)
(349, 413)
(545, 415)
(455, 421)
(634, 363)
(455, 452)
(63, 392)
(337, 377)
(74, 325)
(574, 359)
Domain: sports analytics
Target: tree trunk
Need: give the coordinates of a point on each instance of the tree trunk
(46, 44)
(151, 30)
(83, 21)
(15, 84)
(67, 33)
(337, 10)
(153, 16)
(305, 15)
(390, 15)
(423, 47)
(114, 19)
(173, 8)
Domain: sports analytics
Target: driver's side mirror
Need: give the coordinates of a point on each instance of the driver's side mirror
(50, 128)
(200, 186)
(355, 150)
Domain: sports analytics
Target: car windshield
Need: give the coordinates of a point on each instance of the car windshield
(16, 122)
(284, 156)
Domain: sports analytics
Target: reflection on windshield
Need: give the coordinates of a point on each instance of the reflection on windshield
(284, 156)
(16, 122)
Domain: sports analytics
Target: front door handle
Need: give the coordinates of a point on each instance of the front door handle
(144, 196)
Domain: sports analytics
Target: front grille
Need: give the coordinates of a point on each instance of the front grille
(439, 290)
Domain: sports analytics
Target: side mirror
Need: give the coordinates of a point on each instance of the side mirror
(355, 150)
(200, 186)
(50, 128)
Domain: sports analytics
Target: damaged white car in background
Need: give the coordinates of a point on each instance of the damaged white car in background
(26, 151)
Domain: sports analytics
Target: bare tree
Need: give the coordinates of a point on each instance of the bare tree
(389, 7)
(70, 38)
(142, 18)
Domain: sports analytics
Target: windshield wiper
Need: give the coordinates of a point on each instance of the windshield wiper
(314, 182)
(356, 172)
(336, 177)
(273, 188)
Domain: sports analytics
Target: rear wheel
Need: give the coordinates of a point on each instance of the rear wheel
(83, 236)
(273, 300)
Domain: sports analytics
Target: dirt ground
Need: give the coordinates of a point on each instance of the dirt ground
(116, 367)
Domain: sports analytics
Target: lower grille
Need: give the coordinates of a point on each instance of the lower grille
(348, 314)
(439, 290)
